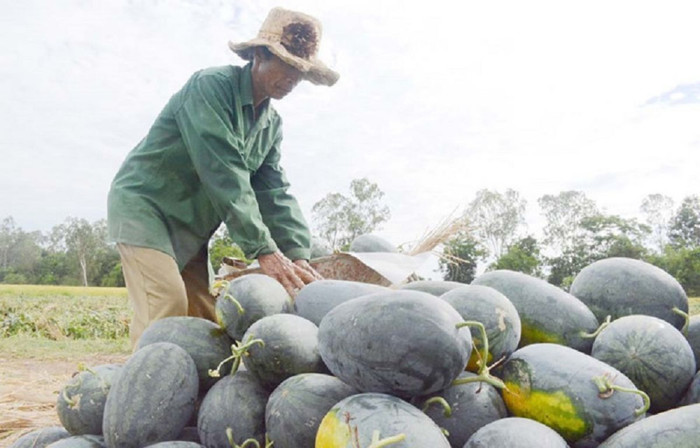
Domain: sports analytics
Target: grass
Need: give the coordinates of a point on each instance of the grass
(38, 291)
(32, 347)
(694, 305)
(39, 321)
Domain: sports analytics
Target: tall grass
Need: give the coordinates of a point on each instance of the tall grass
(64, 312)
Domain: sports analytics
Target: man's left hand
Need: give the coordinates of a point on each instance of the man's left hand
(307, 269)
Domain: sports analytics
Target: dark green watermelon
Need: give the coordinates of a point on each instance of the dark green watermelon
(247, 299)
(693, 336)
(404, 343)
(547, 313)
(290, 347)
(81, 401)
(651, 353)
(176, 444)
(82, 441)
(623, 286)
(471, 406)
(559, 387)
(317, 298)
(434, 287)
(371, 243)
(692, 393)
(205, 341)
(497, 314)
(515, 432)
(153, 397)
(675, 428)
(296, 407)
(191, 433)
(237, 402)
(319, 248)
(354, 421)
(41, 438)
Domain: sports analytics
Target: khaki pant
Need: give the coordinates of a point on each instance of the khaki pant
(158, 289)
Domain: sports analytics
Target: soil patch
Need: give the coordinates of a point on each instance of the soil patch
(29, 389)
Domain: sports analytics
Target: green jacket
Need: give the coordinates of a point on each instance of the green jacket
(206, 160)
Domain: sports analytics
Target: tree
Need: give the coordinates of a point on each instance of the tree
(659, 211)
(683, 264)
(597, 237)
(461, 255)
(564, 213)
(685, 224)
(496, 218)
(339, 219)
(20, 251)
(613, 236)
(522, 256)
(83, 242)
(221, 245)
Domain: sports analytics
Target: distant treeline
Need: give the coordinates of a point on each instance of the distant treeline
(494, 236)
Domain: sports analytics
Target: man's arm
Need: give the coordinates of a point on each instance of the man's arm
(282, 214)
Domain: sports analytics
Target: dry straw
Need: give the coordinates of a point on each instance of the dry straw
(450, 226)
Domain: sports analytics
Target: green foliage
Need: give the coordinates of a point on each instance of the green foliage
(461, 255)
(599, 236)
(59, 317)
(685, 225)
(115, 277)
(523, 256)
(683, 264)
(221, 245)
(340, 219)
(75, 252)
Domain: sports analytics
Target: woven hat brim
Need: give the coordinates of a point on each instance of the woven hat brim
(314, 70)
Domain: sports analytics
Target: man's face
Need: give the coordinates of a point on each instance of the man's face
(275, 78)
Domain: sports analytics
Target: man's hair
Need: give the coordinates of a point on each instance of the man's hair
(264, 52)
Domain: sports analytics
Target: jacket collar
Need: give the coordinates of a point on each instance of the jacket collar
(246, 91)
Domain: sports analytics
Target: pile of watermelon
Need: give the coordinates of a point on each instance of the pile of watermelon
(509, 360)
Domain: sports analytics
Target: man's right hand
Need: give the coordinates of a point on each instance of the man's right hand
(282, 269)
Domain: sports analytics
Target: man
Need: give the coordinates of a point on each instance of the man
(212, 156)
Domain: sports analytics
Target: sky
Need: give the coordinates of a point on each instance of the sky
(436, 100)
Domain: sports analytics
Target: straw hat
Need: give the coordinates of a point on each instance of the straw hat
(294, 37)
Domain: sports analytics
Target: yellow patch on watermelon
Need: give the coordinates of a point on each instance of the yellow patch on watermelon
(532, 335)
(554, 409)
(333, 432)
(475, 357)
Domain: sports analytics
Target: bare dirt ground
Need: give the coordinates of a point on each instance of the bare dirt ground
(28, 392)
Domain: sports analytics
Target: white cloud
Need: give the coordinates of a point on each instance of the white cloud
(435, 101)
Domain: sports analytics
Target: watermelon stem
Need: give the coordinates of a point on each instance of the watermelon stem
(238, 350)
(484, 373)
(239, 307)
(606, 388)
(602, 327)
(685, 316)
(222, 285)
(251, 441)
(71, 402)
(441, 401)
(377, 443)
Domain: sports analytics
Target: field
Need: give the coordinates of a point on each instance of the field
(46, 332)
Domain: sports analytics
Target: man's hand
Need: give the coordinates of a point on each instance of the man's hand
(292, 275)
(306, 267)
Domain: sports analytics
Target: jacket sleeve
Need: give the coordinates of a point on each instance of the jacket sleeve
(280, 210)
(216, 153)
